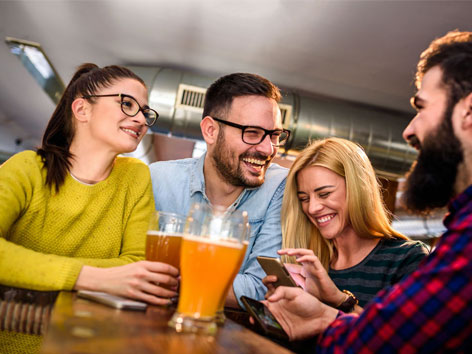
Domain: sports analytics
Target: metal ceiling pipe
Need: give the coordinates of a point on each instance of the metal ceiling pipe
(419, 227)
(178, 96)
(174, 119)
(379, 131)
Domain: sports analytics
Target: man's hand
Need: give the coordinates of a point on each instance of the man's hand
(141, 280)
(300, 314)
(269, 281)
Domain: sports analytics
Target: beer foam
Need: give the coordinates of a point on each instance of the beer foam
(164, 233)
(224, 242)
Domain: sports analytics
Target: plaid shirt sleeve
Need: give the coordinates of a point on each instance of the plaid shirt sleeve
(429, 311)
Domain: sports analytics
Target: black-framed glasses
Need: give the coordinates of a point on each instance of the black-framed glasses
(253, 135)
(131, 107)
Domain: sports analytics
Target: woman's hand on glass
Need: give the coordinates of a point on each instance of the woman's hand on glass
(141, 280)
(312, 276)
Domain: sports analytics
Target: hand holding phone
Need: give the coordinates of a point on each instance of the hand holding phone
(273, 266)
(264, 318)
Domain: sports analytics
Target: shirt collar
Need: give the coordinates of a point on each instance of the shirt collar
(457, 204)
(461, 200)
(197, 180)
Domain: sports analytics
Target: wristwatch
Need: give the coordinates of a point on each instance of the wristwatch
(348, 304)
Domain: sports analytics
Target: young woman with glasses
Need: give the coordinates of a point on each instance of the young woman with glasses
(73, 214)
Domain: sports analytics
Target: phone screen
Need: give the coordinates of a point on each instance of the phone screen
(264, 317)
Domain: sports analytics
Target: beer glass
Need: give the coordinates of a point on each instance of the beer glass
(211, 251)
(220, 314)
(164, 238)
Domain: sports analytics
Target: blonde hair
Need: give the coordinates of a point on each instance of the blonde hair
(367, 213)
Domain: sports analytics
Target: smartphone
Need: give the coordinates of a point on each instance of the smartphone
(273, 266)
(264, 319)
(117, 302)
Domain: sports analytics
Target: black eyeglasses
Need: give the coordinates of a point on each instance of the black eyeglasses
(131, 107)
(252, 135)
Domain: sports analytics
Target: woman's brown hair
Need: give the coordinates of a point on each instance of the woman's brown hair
(54, 150)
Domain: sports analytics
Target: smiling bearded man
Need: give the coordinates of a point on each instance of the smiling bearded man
(242, 128)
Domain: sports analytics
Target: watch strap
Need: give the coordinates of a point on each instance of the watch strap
(348, 304)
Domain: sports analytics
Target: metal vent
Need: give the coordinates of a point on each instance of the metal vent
(193, 97)
(190, 98)
(286, 112)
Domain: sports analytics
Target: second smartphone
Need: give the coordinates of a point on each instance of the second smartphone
(273, 266)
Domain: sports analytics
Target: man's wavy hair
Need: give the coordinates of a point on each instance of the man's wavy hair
(453, 54)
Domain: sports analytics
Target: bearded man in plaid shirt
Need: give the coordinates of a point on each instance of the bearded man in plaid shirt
(430, 310)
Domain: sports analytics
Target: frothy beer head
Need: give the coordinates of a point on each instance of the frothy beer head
(163, 247)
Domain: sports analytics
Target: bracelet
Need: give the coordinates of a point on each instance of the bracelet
(348, 304)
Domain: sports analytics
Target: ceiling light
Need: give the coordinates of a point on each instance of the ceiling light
(37, 63)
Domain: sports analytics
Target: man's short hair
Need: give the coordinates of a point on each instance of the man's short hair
(220, 94)
(453, 54)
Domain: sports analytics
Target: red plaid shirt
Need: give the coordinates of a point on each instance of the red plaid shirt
(429, 311)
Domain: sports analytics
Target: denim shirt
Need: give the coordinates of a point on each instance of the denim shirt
(180, 183)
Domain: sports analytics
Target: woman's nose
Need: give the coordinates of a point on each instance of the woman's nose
(140, 118)
(314, 206)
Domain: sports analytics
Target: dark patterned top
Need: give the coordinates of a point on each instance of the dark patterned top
(385, 265)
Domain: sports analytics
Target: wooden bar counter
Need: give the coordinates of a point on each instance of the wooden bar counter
(82, 326)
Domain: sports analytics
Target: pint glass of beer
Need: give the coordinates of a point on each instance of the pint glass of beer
(211, 253)
(220, 315)
(164, 238)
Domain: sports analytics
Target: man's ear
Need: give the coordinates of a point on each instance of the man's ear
(210, 130)
(467, 115)
(81, 110)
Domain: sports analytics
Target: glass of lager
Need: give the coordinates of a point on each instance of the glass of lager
(211, 252)
(164, 238)
(220, 314)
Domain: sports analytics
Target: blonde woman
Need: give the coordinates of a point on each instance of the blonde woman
(335, 225)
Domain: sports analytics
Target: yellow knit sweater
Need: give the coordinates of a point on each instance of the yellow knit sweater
(46, 237)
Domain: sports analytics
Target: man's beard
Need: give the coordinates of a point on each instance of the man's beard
(223, 157)
(430, 183)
